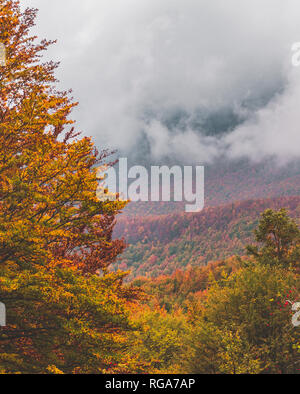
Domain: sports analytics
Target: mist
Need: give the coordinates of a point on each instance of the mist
(187, 81)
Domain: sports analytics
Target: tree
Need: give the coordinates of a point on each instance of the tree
(243, 325)
(59, 320)
(279, 237)
(48, 176)
(55, 234)
(159, 338)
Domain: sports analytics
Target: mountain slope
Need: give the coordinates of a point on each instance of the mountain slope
(161, 244)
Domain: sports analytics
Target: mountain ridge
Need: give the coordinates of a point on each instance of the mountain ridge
(160, 244)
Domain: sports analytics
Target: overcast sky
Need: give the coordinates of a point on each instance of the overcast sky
(190, 80)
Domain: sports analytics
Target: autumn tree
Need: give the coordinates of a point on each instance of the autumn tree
(59, 321)
(48, 175)
(55, 234)
(159, 339)
(243, 325)
(279, 239)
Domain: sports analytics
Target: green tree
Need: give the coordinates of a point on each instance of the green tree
(243, 325)
(279, 240)
(159, 338)
(61, 321)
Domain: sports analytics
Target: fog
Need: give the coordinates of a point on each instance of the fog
(180, 80)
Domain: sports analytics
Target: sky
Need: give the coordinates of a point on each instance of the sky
(188, 81)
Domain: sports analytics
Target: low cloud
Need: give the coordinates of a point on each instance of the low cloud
(190, 80)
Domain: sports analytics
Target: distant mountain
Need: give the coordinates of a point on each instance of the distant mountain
(164, 243)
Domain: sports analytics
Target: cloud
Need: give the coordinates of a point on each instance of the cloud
(273, 131)
(188, 80)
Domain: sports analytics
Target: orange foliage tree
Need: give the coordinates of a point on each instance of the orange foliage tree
(49, 210)
(55, 234)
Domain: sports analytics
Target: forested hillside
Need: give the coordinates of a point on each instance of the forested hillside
(184, 286)
(161, 244)
(63, 310)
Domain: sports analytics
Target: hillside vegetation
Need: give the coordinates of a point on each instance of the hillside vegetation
(159, 245)
(65, 312)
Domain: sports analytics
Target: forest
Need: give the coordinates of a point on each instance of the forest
(68, 309)
(165, 243)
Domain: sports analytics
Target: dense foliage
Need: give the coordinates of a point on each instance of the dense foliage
(67, 313)
(159, 245)
(55, 235)
(238, 312)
